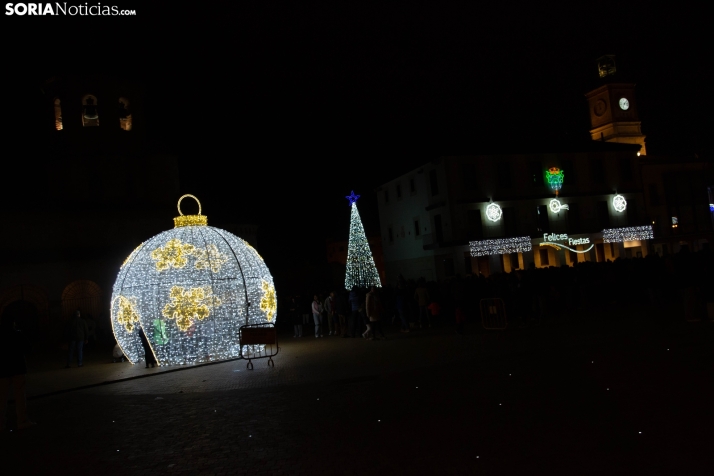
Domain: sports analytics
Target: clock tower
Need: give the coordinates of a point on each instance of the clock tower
(613, 109)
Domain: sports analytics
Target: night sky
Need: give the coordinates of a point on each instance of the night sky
(296, 104)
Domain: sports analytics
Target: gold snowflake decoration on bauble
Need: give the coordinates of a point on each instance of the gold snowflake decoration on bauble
(185, 306)
(268, 303)
(127, 315)
(209, 258)
(173, 254)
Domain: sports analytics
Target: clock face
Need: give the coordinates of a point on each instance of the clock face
(624, 104)
(600, 107)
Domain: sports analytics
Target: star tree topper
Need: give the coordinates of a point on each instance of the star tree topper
(352, 197)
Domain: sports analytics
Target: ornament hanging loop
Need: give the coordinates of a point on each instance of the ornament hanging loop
(184, 196)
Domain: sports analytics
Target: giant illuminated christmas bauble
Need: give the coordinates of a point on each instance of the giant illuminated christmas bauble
(190, 289)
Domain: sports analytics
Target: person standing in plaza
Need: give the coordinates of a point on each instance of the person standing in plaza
(295, 317)
(354, 301)
(341, 306)
(317, 315)
(13, 367)
(330, 307)
(77, 335)
(374, 310)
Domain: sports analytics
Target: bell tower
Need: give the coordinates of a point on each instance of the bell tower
(613, 109)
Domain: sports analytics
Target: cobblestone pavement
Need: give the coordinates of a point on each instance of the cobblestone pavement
(575, 399)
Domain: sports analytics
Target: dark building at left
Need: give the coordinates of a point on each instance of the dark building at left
(83, 188)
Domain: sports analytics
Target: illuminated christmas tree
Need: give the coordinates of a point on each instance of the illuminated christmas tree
(361, 270)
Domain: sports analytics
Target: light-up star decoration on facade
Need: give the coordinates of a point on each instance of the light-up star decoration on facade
(191, 289)
(352, 197)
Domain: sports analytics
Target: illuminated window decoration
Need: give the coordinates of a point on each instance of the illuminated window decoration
(619, 203)
(554, 177)
(361, 270)
(268, 304)
(553, 238)
(555, 206)
(126, 314)
(630, 233)
(711, 207)
(500, 246)
(675, 222)
(494, 212)
(185, 306)
(191, 307)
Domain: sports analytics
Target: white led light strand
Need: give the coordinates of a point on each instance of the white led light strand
(190, 289)
(632, 233)
(361, 270)
(500, 246)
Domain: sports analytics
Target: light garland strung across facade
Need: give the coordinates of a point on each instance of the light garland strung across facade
(631, 233)
(500, 246)
(494, 212)
(361, 270)
(619, 203)
(190, 289)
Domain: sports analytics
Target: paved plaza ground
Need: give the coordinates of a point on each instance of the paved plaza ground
(621, 391)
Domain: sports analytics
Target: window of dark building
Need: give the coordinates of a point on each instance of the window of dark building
(597, 170)
(535, 173)
(474, 225)
(626, 174)
(509, 221)
(504, 175)
(124, 114)
(469, 174)
(544, 257)
(573, 218)
(434, 183)
(412, 186)
(90, 114)
(58, 114)
(448, 267)
(633, 217)
(514, 261)
(438, 229)
(399, 191)
(568, 173)
(602, 215)
(542, 222)
(468, 268)
(417, 231)
(573, 256)
(654, 194)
